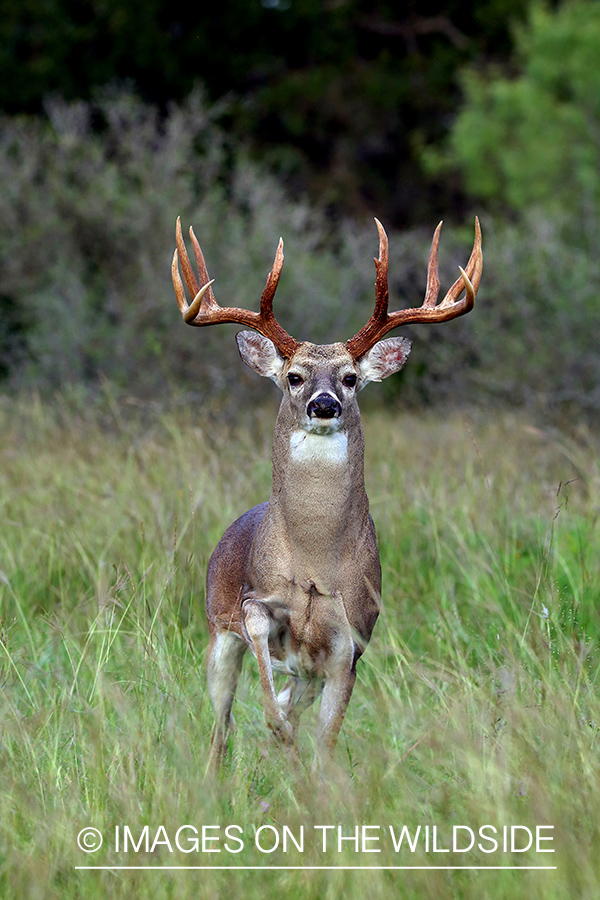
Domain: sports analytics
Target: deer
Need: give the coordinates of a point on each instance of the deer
(297, 579)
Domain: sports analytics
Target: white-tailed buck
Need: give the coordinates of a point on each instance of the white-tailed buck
(298, 579)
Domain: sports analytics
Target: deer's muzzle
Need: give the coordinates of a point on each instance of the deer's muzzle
(324, 406)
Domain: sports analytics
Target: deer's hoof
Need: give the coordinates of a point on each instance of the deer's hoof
(282, 730)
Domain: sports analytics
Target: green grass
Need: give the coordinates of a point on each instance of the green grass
(476, 702)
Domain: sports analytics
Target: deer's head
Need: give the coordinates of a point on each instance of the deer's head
(320, 382)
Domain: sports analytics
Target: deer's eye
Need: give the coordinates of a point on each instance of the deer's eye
(349, 381)
(295, 380)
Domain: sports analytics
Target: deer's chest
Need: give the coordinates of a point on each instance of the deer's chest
(306, 632)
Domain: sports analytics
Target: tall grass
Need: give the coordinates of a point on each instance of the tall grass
(476, 703)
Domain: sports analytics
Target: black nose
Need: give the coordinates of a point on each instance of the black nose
(324, 407)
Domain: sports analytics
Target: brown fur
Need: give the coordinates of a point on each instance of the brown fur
(298, 579)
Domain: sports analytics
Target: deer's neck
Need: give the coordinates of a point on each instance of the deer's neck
(318, 496)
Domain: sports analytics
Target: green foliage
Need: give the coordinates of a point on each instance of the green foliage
(540, 314)
(336, 95)
(476, 702)
(89, 212)
(530, 143)
(84, 214)
(532, 139)
(90, 201)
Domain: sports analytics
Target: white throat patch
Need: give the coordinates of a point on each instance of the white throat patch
(308, 446)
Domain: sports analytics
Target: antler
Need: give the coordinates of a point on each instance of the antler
(382, 321)
(204, 309)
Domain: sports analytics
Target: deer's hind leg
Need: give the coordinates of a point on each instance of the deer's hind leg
(296, 696)
(225, 655)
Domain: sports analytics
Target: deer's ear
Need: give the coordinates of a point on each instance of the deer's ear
(260, 354)
(385, 358)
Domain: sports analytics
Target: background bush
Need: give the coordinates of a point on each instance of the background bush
(89, 207)
(93, 194)
(531, 136)
(338, 97)
(92, 188)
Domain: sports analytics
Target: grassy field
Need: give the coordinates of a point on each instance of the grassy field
(476, 704)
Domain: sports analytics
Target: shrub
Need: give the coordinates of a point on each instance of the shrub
(532, 139)
(89, 206)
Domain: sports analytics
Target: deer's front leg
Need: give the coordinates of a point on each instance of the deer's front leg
(258, 623)
(336, 695)
(225, 654)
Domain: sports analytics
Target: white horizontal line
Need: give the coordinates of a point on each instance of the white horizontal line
(311, 868)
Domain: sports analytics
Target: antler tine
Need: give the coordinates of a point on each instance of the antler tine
(270, 327)
(450, 308)
(178, 284)
(191, 311)
(204, 309)
(367, 337)
(469, 277)
(433, 280)
(202, 270)
(191, 282)
(266, 300)
(381, 280)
